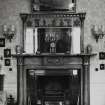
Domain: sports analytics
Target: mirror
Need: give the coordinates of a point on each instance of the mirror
(54, 5)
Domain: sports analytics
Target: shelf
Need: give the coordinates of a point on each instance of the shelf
(53, 14)
(64, 27)
(53, 55)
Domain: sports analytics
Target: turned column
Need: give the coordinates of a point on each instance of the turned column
(86, 73)
(82, 18)
(20, 82)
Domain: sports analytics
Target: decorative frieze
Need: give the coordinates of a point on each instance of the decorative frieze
(54, 19)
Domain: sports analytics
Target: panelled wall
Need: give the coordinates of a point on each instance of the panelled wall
(9, 14)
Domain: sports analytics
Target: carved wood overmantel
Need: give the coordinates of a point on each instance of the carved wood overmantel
(40, 20)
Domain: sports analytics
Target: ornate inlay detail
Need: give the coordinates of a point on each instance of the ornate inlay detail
(53, 61)
(20, 61)
(77, 22)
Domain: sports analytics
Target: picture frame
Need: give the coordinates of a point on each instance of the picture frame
(7, 52)
(102, 66)
(2, 42)
(101, 55)
(68, 5)
(7, 62)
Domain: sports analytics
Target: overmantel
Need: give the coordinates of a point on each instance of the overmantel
(58, 23)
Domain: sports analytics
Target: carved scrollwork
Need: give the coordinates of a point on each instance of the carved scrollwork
(77, 22)
(20, 61)
(38, 18)
(53, 61)
(86, 62)
(24, 17)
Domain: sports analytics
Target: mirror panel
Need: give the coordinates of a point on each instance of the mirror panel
(54, 5)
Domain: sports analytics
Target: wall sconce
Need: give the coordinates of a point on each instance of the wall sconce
(9, 32)
(98, 32)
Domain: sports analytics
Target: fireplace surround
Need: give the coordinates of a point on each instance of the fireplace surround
(52, 84)
(52, 78)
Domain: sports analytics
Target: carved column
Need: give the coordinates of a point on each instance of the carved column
(24, 18)
(82, 18)
(35, 87)
(86, 73)
(20, 81)
(24, 86)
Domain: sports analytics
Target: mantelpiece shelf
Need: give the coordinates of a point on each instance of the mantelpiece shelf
(53, 55)
(54, 14)
(53, 27)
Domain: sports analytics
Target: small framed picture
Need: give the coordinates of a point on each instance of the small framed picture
(102, 55)
(7, 52)
(2, 42)
(7, 62)
(102, 66)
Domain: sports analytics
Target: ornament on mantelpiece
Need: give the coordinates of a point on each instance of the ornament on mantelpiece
(61, 22)
(35, 5)
(89, 49)
(19, 49)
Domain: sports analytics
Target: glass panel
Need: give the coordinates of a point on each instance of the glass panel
(29, 44)
(55, 40)
(76, 31)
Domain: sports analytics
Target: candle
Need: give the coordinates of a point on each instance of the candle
(12, 28)
(5, 29)
(103, 29)
(96, 28)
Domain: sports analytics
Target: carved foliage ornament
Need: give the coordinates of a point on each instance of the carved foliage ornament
(53, 20)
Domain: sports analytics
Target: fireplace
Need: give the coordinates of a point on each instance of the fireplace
(42, 81)
(52, 76)
(54, 88)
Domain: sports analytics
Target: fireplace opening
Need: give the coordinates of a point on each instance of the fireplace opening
(54, 89)
(53, 84)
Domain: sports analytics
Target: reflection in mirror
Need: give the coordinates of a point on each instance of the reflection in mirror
(55, 40)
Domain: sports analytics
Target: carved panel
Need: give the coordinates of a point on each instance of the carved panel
(53, 19)
(53, 61)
